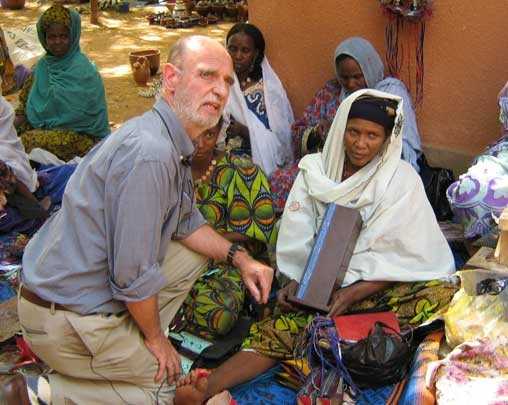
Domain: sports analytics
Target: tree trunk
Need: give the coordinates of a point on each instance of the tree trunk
(94, 12)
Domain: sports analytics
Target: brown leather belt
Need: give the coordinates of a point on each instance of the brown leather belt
(36, 300)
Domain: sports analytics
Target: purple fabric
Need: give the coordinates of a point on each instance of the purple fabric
(21, 73)
(482, 193)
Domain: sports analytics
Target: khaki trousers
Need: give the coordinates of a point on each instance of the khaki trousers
(102, 359)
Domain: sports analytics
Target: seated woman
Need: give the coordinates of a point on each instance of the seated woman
(63, 107)
(13, 76)
(482, 193)
(400, 248)
(258, 105)
(26, 197)
(357, 66)
(234, 196)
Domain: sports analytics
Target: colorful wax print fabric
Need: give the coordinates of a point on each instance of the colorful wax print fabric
(413, 303)
(238, 199)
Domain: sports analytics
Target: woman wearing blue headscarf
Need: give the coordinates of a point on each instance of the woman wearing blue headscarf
(63, 107)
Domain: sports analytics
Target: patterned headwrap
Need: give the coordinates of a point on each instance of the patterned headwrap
(56, 14)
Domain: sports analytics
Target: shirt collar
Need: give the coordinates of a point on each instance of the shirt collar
(183, 143)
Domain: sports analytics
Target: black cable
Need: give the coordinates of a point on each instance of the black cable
(108, 380)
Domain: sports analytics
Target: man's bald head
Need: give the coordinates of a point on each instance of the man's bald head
(196, 82)
(192, 44)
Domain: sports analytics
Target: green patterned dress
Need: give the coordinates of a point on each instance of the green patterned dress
(412, 303)
(236, 199)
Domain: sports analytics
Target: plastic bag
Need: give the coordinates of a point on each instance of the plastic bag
(24, 46)
(479, 308)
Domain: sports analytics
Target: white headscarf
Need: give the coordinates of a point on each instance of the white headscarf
(271, 148)
(12, 151)
(372, 68)
(400, 239)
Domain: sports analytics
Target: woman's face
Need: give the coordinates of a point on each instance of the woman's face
(206, 142)
(363, 140)
(243, 52)
(350, 75)
(58, 40)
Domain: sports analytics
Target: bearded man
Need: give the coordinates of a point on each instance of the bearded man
(103, 278)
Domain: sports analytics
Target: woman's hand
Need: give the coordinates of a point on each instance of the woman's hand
(342, 299)
(284, 293)
(322, 129)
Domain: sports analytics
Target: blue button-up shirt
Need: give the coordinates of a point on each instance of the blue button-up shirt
(128, 197)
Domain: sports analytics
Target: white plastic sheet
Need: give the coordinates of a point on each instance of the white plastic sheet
(24, 46)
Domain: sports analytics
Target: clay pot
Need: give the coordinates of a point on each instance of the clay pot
(218, 10)
(13, 4)
(153, 56)
(203, 8)
(231, 12)
(141, 70)
(212, 19)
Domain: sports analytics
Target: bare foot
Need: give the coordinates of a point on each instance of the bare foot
(191, 389)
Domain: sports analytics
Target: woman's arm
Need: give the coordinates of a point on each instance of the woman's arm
(20, 119)
(313, 114)
(344, 298)
(22, 189)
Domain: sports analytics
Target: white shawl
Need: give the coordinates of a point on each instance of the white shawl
(12, 151)
(270, 148)
(400, 239)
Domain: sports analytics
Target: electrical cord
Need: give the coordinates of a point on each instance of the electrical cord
(116, 391)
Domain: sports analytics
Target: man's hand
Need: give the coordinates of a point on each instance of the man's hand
(167, 356)
(283, 294)
(256, 276)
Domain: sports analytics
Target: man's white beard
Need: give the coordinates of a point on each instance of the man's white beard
(187, 112)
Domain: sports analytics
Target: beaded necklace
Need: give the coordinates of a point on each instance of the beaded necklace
(204, 178)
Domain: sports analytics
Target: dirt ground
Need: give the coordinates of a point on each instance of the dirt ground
(109, 45)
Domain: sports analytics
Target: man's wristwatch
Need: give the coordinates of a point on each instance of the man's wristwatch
(235, 247)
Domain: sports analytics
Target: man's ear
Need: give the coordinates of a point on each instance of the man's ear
(170, 75)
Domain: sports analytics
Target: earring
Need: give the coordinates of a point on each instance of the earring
(253, 63)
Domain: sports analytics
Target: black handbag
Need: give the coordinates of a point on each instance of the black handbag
(380, 359)
(436, 181)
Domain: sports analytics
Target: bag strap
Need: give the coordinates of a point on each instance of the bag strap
(385, 326)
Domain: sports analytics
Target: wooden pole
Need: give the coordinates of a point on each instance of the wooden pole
(501, 253)
(94, 12)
